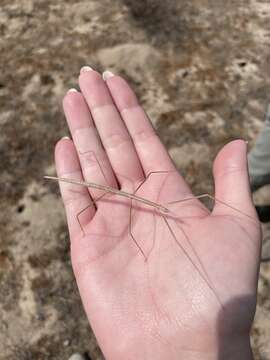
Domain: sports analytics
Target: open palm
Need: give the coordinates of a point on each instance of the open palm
(154, 285)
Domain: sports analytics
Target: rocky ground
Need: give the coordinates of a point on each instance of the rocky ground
(202, 71)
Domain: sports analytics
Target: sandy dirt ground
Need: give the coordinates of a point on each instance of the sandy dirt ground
(201, 69)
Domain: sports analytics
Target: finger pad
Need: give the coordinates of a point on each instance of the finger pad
(94, 89)
(232, 156)
(66, 158)
(123, 95)
(76, 111)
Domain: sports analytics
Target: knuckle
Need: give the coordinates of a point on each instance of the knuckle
(144, 135)
(114, 141)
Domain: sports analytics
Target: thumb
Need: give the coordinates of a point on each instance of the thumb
(232, 188)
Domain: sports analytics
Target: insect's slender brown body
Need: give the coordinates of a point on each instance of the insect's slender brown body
(111, 190)
(157, 206)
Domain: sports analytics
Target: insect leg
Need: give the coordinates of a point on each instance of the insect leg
(131, 208)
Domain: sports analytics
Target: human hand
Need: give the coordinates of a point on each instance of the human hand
(184, 286)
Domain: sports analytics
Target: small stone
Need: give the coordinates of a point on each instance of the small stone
(266, 250)
(66, 342)
(76, 357)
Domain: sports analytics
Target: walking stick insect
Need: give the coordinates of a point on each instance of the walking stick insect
(163, 210)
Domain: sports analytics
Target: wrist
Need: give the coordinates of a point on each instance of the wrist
(230, 349)
(234, 349)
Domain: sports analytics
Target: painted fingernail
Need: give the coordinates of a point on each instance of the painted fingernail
(65, 138)
(107, 74)
(72, 90)
(85, 69)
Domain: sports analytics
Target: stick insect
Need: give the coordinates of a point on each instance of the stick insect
(162, 210)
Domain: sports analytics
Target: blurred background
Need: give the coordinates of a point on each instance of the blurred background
(201, 69)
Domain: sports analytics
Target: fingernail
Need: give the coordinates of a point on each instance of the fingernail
(65, 138)
(72, 90)
(107, 74)
(85, 69)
